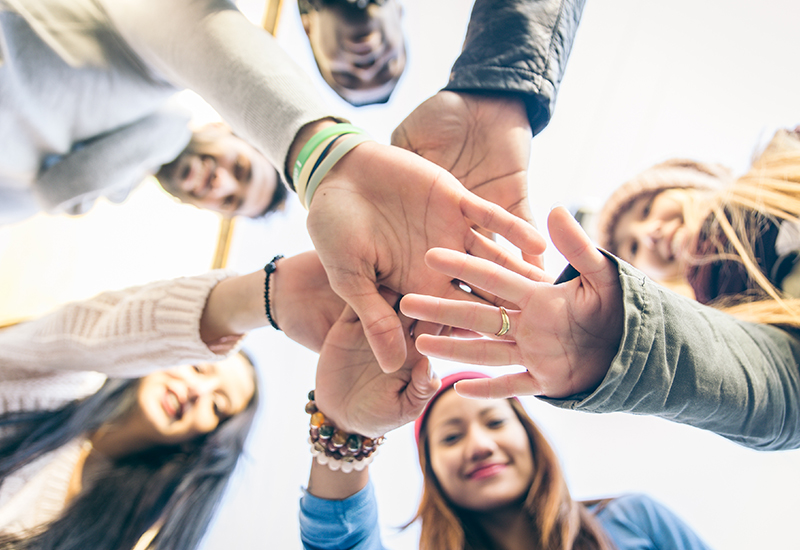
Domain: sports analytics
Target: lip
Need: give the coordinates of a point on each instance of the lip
(198, 182)
(172, 404)
(484, 471)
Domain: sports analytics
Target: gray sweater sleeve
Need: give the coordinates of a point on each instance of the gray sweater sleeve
(521, 47)
(114, 163)
(693, 364)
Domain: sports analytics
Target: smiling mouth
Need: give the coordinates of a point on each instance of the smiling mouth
(485, 471)
(196, 177)
(172, 405)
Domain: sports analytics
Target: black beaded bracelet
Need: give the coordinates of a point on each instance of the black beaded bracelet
(269, 269)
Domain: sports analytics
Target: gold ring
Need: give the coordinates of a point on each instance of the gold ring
(506, 323)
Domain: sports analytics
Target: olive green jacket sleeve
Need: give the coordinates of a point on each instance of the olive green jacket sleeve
(695, 365)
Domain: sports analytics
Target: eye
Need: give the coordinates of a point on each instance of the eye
(450, 439)
(496, 424)
(200, 369)
(647, 207)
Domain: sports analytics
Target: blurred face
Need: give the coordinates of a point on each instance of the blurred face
(479, 451)
(178, 405)
(655, 236)
(228, 176)
(360, 53)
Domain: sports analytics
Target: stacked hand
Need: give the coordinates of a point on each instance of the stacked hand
(566, 335)
(354, 392)
(374, 217)
(484, 141)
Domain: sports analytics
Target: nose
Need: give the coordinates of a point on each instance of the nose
(222, 184)
(480, 445)
(200, 387)
(649, 233)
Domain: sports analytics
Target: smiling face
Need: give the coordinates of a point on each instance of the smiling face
(656, 234)
(479, 451)
(177, 405)
(360, 52)
(225, 174)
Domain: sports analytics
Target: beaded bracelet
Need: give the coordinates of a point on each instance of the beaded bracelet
(269, 269)
(335, 448)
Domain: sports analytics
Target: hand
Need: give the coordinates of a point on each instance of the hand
(353, 391)
(484, 141)
(303, 304)
(376, 214)
(566, 335)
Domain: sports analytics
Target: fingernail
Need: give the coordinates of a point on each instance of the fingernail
(556, 205)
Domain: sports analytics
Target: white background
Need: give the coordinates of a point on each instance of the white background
(646, 81)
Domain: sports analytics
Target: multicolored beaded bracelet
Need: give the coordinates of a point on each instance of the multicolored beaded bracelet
(335, 448)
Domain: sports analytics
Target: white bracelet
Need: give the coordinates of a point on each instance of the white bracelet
(345, 465)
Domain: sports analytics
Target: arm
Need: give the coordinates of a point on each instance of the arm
(519, 47)
(632, 520)
(131, 332)
(692, 364)
(610, 340)
(113, 162)
(238, 68)
(339, 509)
(344, 519)
(502, 91)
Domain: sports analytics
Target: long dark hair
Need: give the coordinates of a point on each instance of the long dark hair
(559, 522)
(177, 487)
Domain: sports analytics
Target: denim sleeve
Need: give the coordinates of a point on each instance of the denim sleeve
(639, 522)
(349, 524)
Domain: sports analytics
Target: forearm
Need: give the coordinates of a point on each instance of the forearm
(211, 48)
(518, 47)
(350, 522)
(692, 364)
(125, 333)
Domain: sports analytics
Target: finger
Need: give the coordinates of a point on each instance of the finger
(497, 220)
(508, 385)
(382, 326)
(477, 272)
(424, 385)
(475, 352)
(574, 244)
(471, 316)
(487, 249)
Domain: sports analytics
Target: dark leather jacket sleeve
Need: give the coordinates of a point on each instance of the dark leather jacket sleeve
(521, 47)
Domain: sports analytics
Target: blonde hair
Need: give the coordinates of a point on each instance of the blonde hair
(771, 187)
(560, 522)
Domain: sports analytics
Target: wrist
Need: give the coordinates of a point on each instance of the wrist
(233, 307)
(306, 133)
(333, 447)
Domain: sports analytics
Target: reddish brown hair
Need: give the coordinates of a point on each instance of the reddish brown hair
(559, 522)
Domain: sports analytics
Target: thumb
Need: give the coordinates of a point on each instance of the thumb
(423, 386)
(380, 322)
(574, 244)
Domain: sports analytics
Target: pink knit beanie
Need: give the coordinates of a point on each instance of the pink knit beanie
(671, 174)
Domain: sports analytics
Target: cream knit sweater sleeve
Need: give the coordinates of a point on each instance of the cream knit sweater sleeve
(124, 333)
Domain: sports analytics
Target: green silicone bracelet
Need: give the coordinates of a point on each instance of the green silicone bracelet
(319, 137)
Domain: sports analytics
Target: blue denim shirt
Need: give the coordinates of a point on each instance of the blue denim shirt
(633, 522)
